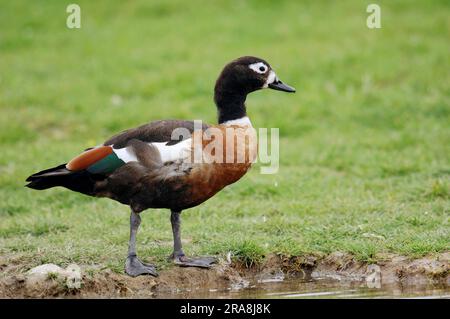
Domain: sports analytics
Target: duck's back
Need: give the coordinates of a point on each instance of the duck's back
(153, 132)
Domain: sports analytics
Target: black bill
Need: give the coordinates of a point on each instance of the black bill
(280, 86)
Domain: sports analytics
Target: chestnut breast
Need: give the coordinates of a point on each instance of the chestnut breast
(226, 152)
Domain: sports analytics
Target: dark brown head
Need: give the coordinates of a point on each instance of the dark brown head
(239, 78)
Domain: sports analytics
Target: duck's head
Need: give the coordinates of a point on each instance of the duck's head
(239, 78)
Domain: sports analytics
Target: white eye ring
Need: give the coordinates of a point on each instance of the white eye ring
(259, 67)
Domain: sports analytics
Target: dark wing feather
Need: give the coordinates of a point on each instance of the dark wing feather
(157, 131)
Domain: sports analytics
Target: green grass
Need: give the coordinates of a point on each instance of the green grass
(365, 152)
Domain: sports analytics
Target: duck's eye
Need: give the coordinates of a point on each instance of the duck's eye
(259, 67)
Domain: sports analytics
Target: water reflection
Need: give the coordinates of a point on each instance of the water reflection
(317, 288)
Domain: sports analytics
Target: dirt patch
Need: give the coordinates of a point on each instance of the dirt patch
(339, 266)
(392, 268)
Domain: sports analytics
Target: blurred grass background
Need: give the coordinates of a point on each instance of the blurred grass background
(365, 156)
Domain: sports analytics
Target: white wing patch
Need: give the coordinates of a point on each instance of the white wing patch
(168, 153)
(125, 155)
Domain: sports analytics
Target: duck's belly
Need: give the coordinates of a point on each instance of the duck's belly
(185, 191)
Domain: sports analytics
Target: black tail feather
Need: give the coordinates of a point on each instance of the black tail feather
(79, 181)
(57, 170)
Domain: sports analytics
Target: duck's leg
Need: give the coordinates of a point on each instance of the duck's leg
(133, 266)
(178, 255)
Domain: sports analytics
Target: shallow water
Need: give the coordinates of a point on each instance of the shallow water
(316, 288)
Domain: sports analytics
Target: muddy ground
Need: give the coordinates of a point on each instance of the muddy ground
(96, 283)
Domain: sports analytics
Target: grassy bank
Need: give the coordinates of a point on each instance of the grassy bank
(364, 152)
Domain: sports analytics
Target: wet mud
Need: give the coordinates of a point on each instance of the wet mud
(225, 279)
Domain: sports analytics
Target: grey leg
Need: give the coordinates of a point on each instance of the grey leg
(178, 255)
(133, 266)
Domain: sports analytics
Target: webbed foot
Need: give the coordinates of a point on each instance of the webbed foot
(202, 262)
(134, 267)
